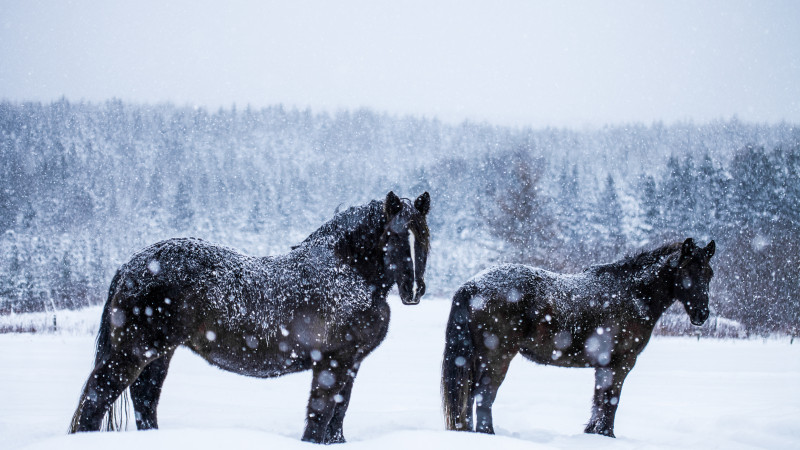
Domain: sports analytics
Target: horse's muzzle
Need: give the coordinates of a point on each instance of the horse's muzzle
(413, 298)
(409, 300)
(699, 319)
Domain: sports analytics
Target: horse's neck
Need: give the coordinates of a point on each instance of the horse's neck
(656, 291)
(649, 287)
(361, 249)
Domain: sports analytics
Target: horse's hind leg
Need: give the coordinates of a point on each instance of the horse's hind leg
(492, 368)
(146, 391)
(107, 381)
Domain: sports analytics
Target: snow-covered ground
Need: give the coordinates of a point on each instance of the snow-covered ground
(683, 393)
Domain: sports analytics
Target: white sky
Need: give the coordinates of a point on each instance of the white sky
(534, 63)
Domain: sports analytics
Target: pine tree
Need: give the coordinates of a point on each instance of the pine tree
(182, 211)
(609, 214)
(651, 205)
(519, 212)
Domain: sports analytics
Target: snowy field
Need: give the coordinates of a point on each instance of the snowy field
(683, 393)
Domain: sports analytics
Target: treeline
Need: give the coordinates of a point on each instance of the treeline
(85, 185)
(749, 204)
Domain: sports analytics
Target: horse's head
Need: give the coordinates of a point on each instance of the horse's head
(692, 275)
(405, 245)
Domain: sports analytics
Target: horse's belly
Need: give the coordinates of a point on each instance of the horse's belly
(550, 354)
(261, 363)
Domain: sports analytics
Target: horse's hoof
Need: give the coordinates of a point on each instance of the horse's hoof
(312, 440)
(336, 440)
(594, 429)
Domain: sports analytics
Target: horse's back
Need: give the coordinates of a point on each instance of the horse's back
(526, 294)
(510, 283)
(199, 285)
(181, 267)
(167, 284)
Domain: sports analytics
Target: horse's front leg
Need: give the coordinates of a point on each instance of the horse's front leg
(335, 433)
(607, 388)
(328, 386)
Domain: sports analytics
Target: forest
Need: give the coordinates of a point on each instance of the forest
(84, 185)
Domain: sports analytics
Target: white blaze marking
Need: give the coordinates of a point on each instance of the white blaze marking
(411, 240)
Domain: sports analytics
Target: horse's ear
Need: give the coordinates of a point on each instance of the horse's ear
(688, 246)
(423, 203)
(393, 205)
(710, 249)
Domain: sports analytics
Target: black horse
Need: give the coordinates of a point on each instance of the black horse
(600, 318)
(320, 307)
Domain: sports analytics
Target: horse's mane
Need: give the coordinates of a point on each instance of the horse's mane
(642, 260)
(347, 223)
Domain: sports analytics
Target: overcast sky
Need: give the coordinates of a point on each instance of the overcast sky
(507, 62)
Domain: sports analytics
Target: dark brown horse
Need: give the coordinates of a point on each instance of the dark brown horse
(600, 318)
(322, 307)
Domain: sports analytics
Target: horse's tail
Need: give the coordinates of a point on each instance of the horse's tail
(458, 368)
(115, 419)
